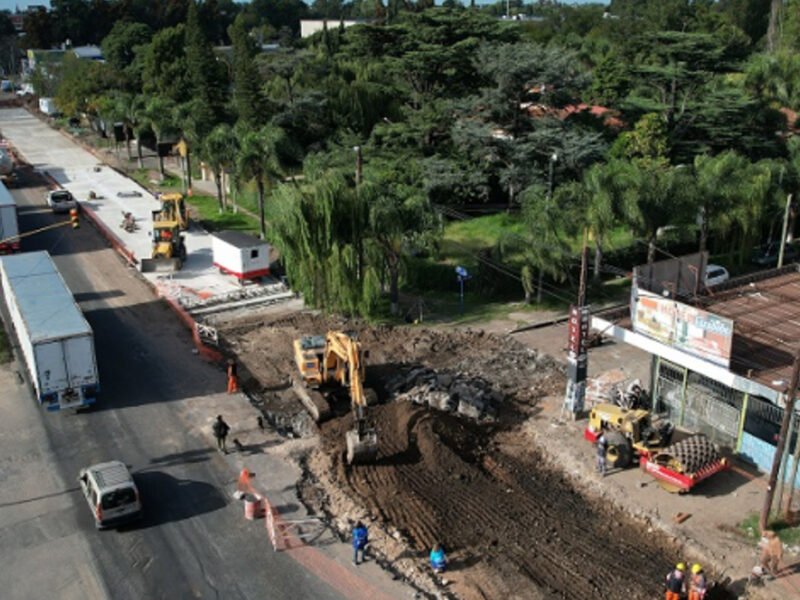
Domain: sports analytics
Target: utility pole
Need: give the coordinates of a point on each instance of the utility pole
(784, 231)
(577, 355)
(359, 164)
(788, 411)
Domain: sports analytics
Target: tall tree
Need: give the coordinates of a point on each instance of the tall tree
(246, 93)
(219, 151)
(259, 160)
(164, 70)
(206, 76)
(158, 114)
(120, 44)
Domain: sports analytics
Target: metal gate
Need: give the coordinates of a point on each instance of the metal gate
(700, 404)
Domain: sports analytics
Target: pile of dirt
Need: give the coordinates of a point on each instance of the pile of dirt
(512, 524)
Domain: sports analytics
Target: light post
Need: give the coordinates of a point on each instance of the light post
(553, 160)
(462, 275)
(357, 150)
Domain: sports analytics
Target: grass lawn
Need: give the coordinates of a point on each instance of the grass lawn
(206, 210)
(790, 535)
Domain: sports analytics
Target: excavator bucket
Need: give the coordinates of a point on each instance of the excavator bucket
(160, 265)
(362, 447)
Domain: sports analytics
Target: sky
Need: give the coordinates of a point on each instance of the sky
(12, 4)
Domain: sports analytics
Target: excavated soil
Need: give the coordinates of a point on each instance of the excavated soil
(513, 526)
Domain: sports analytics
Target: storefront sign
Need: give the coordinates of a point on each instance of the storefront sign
(690, 329)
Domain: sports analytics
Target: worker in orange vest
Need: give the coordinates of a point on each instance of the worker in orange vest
(233, 377)
(697, 583)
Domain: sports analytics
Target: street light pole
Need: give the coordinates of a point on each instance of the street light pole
(357, 150)
(553, 160)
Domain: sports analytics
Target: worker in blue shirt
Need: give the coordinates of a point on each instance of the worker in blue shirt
(438, 559)
(360, 539)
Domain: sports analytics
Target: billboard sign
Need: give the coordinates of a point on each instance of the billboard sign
(685, 327)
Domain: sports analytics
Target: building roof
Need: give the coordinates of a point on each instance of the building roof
(88, 52)
(765, 309)
(239, 239)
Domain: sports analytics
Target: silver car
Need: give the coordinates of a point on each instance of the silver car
(61, 201)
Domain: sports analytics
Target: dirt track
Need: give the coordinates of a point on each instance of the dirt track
(513, 526)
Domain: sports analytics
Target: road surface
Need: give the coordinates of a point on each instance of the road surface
(193, 542)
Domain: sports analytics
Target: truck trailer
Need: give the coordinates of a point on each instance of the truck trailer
(9, 228)
(56, 341)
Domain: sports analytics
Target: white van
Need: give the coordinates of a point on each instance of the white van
(111, 493)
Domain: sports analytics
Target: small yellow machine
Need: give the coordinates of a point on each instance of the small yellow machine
(328, 365)
(169, 249)
(173, 208)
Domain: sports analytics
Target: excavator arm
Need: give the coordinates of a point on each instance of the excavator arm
(343, 361)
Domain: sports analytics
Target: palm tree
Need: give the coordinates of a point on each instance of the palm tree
(258, 160)
(159, 116)
(219, 150)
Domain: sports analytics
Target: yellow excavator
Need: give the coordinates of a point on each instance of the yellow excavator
(169, 249)
(328, 364)
(173, 208)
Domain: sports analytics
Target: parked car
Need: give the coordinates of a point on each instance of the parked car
(61, 201)
(26, 89)
(767, 255)
(715, 274)
(111, 493)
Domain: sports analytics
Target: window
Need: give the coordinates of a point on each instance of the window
(254, 253)
(118, 498)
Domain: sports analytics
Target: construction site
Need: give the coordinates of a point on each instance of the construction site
(462, 460)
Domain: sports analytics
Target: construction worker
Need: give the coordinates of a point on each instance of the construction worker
(676, 582)
(221, 430)
(233, 377)
(438, 559)
(697, 583)
(360, 541)
(601, 447)
(771, 553)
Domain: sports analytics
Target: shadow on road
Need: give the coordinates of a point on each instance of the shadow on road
(166, 499)
(183, 458)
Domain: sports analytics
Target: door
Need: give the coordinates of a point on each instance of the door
(79, 352)
(52, 370)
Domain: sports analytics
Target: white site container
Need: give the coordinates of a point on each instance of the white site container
(48, 106)
(56, 341)
(239, 254)
(9, 227)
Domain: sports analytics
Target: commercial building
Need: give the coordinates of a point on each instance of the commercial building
(722, 358)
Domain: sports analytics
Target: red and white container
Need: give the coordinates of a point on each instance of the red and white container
(239, 254)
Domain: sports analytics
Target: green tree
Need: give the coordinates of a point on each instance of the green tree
(219, 151)
(400, 217)
(259, 160)
(164, 67)
(653, 196)
(159, 116)
(119, 46)
(246, 94)
(206, 76)
(318, 226)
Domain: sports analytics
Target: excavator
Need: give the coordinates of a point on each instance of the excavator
(328, 364)
(173, 208)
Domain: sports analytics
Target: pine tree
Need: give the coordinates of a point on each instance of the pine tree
(246, 95)
(206, 77)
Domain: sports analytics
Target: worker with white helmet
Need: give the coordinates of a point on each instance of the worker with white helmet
(697, 584)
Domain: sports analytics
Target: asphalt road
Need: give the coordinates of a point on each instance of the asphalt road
(193, 541)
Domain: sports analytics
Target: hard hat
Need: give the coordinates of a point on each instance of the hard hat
(696, 568)
(681, 566)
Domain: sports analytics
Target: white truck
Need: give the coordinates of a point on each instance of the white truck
(9, 228)
(57, 342)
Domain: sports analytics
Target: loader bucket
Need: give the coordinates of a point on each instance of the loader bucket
(160, 265)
